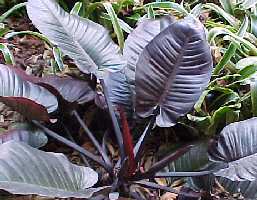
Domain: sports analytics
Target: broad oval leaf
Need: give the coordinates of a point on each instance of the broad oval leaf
(25, 170)
(118, 88)
(246, 188)
(195, 159)
(145, 31)
(237, 146)
(72, 90)
(25, 133)
(88, 43)
(172, 71)
(24, 96)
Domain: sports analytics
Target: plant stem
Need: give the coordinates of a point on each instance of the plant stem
(138, 149)
(151, 185)
(165, 161)
(72, 139)
(93, 139)
(104, 142)
(72, 145)
(114, 121)
(181, 174)
(140, 144)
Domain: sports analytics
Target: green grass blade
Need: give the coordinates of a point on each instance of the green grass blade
(196, 11)
(115, 22)
(253, 24)
(8, 57)
(150, 12)
(222, 31)
(248, 4)
(229, 18)
(251, 60)
(10, 11)
(58, 58)
(232, 48)
(220, 117)
(125, 27)
(3, 30)
(199, 103)
(76, 8)
(247, 72)
(168, 5)
(39, 35)
(227, 6)
(254, 97)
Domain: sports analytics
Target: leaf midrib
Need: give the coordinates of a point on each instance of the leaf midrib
(171, 78)
(72, 38)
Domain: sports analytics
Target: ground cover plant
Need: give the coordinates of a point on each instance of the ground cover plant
(185, 72)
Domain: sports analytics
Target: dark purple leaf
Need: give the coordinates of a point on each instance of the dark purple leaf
(25, 133)
(121, 81)
(118, 89)
(172, 71)
(246, 188)
(193, 160)
(196, 159)
(190, 194)
(100, 100)
(30, 109)
(158, 166)
(134, 45)
(23, 75)
(237, 147)
(31, 100)
(70, 89)
(29, 171)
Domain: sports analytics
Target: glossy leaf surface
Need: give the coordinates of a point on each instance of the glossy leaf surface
(118, 88)
(88, 43)
(25, 170)
(236, 146)
(25, 133)
(145, 31)
(31, 100)
(172, 72)
(71, 89)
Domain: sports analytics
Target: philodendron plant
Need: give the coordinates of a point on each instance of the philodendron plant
(230, 159)
(165, 66)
